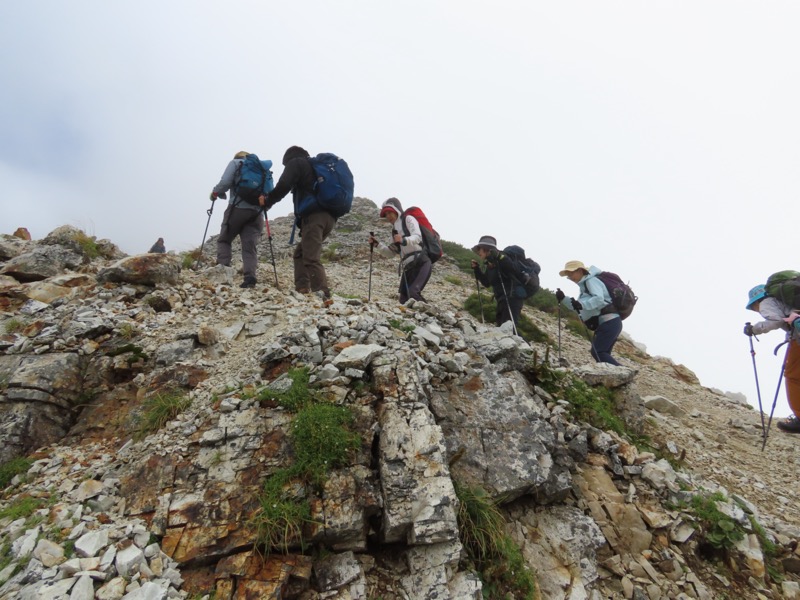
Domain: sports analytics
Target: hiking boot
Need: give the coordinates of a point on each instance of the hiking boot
(249, 282)
(790, 425)
(303, 291)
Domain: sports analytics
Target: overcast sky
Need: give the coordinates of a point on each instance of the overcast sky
(658, 140)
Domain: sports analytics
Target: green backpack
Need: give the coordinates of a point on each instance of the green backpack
(785, 286)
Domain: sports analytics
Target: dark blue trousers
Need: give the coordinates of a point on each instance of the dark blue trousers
(604, 339)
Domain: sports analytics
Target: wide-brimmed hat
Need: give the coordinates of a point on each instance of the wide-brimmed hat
(486, 241)
(572, 265)
(393, 205)
(754, 295)
(241, 154)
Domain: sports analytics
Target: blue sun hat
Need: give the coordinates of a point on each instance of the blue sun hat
(757, 293)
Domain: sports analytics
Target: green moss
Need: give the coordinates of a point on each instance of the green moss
(497, 558)
(12, 468)
(487, 307)
(717, 528)
(322, 440)
(21, 508)
(13, 325)
(158, 410)
(296, 397)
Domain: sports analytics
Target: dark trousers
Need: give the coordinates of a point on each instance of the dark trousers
(414, 280)
(507, 310)
(604, 339)
(248, 225)
(309, 274)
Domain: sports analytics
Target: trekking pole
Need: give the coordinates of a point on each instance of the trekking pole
(209, 211)
(508, 303)
(271, 251)
(777, 391)
(480, 300)
(758, 392)
(371, 251)
(560, 360)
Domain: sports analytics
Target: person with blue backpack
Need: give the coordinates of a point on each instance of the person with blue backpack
(243, 216)
(314, 216)
(500, 273)
(595, 308)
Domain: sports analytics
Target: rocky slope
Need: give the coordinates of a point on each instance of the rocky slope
(438, 399)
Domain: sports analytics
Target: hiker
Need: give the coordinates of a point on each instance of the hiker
(415, 265)
(158, 247)
(778, 315)
(594, 307)
(499, 273)
(240, 218)
(315, 226)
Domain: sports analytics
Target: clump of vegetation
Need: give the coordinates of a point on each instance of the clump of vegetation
(87, 245)
(22, 508)
(401, 326)
(12, 468)
(487, 306)
(13, 325)
(296, 397)
(158, 410)
(331, 253)
(718, 529)
(128, 331)
(322, 440)
(497, 558)
(460, 255)
(454, 280)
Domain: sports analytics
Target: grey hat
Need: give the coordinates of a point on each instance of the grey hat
(487, 241)
(392, 204)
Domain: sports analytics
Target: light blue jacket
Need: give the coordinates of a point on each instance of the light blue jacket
(594, 297)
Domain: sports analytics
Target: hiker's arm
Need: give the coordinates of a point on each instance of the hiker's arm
(773, 316)
(226, 181)
(414, 234)
(289, 178)
(482, 276)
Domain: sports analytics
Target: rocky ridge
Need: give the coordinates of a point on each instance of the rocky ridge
(437, 396)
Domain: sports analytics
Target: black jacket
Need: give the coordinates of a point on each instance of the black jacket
(499, 275)
(298, 177)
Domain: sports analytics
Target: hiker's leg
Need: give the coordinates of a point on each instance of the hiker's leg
(403, 289)
(604, 339)
(316, 227)
(226, 236)
(301, 282)
(502, 311)
(417, 278)
(792, 376)
(516, 309)
(249, 236)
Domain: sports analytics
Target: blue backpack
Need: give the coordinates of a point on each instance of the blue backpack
(253, 178)
(333, 189)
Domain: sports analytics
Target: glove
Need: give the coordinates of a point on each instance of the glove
(748, 329)
(474, 264)
(222, 196)
(576, 305)
(213, 196)
(560, 295)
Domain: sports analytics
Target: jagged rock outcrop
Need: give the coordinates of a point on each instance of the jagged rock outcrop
(436, 398)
